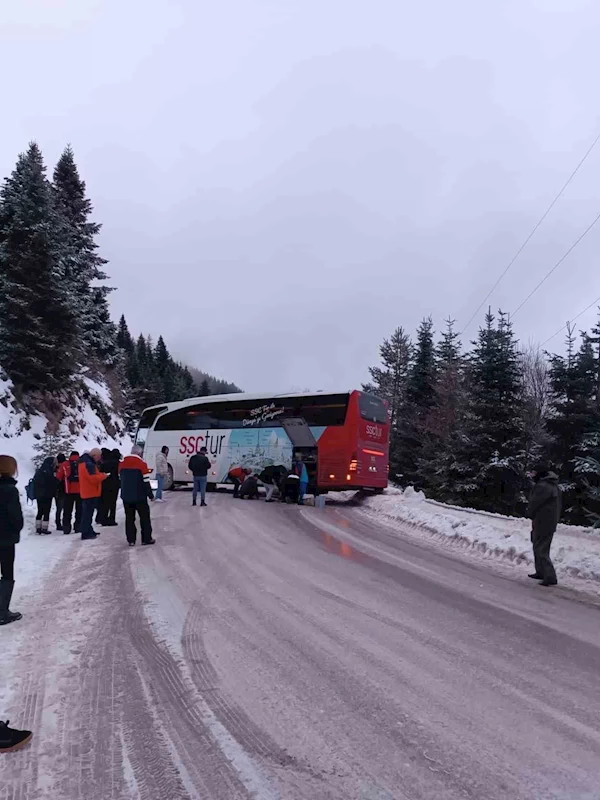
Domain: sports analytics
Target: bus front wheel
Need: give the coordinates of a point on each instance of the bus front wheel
(169, 482)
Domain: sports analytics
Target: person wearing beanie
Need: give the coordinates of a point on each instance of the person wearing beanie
(544, 512)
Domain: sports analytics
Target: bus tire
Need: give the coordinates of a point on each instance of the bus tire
(169, 482)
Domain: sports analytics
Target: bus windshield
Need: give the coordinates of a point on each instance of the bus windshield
(147, 418)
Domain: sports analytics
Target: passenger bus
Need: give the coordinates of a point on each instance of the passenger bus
(343, 436)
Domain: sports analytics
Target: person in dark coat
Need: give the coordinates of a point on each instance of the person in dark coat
(45, 485)
(135, 493)
(544, 512)
(273, 477)
(100, 510)
(11, 523)
(59, 498)
(110, 488)
(199, 465)
(290, 488)
(249, 488)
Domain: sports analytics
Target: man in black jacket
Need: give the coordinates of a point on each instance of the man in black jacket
(199, 466)
(110, 488)
(544, 512)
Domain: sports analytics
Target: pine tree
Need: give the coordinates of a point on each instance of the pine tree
(84, 267)
(443, 421)
(124, 338)
(204, 389)
(488, 471)
(420, 398)
(574, 420)
(169, 373)
(37, 303)
(389, 382)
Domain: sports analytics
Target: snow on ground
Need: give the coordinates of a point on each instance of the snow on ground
(575, 551)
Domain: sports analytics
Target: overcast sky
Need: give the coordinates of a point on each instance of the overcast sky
(283, 182)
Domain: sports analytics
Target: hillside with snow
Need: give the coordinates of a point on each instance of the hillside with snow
(78, 418)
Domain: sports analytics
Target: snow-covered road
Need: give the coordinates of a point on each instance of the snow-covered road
(281, 653)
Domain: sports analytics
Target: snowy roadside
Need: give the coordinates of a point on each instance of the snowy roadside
(575, 552)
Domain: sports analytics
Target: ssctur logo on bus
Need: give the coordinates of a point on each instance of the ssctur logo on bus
(375, 431)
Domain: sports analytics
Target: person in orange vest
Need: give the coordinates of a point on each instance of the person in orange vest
(90, 489)
(237, 475)
(68, 475)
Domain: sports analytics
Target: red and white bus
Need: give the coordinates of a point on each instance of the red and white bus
(350, 431)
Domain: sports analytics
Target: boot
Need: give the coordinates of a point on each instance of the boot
(11, 739)
(45, 526)
(6, 590)
(38, 526)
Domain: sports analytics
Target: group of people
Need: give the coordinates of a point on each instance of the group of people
(290, 484)
(79, 486)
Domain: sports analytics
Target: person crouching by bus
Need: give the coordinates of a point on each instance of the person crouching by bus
(199, 466)
(249, 488)
(135, 493)
(11, 523)
(68, 475)
(90, 489)
(237, 475)
(290, 488)
(272, 477)
(162, 472)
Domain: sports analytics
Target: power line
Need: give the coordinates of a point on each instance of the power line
(558, 263)
(528, 239)
(587, 308)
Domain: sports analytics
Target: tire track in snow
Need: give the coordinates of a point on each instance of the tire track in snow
(240, 726)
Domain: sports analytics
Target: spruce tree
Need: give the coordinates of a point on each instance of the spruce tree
(443, 420)
(167, 372)
(420, 398)
(204, 389)
(124, 338)
(389, 382)
(488, 471)
(37, 303)
(574, 420)
(84, 266)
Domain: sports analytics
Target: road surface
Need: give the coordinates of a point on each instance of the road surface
(281, 653)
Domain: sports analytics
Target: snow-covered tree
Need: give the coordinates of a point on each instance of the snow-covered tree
(443, 421)
(488, 471)
(389, 382)
(573, 420)
(84, 266)
(420, 399)
(38, 311)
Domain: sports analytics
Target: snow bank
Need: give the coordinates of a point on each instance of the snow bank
(575, 551)
(84, 424)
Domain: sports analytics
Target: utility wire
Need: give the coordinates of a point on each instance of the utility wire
(587, 308)
(558, 263)
(528, 239)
